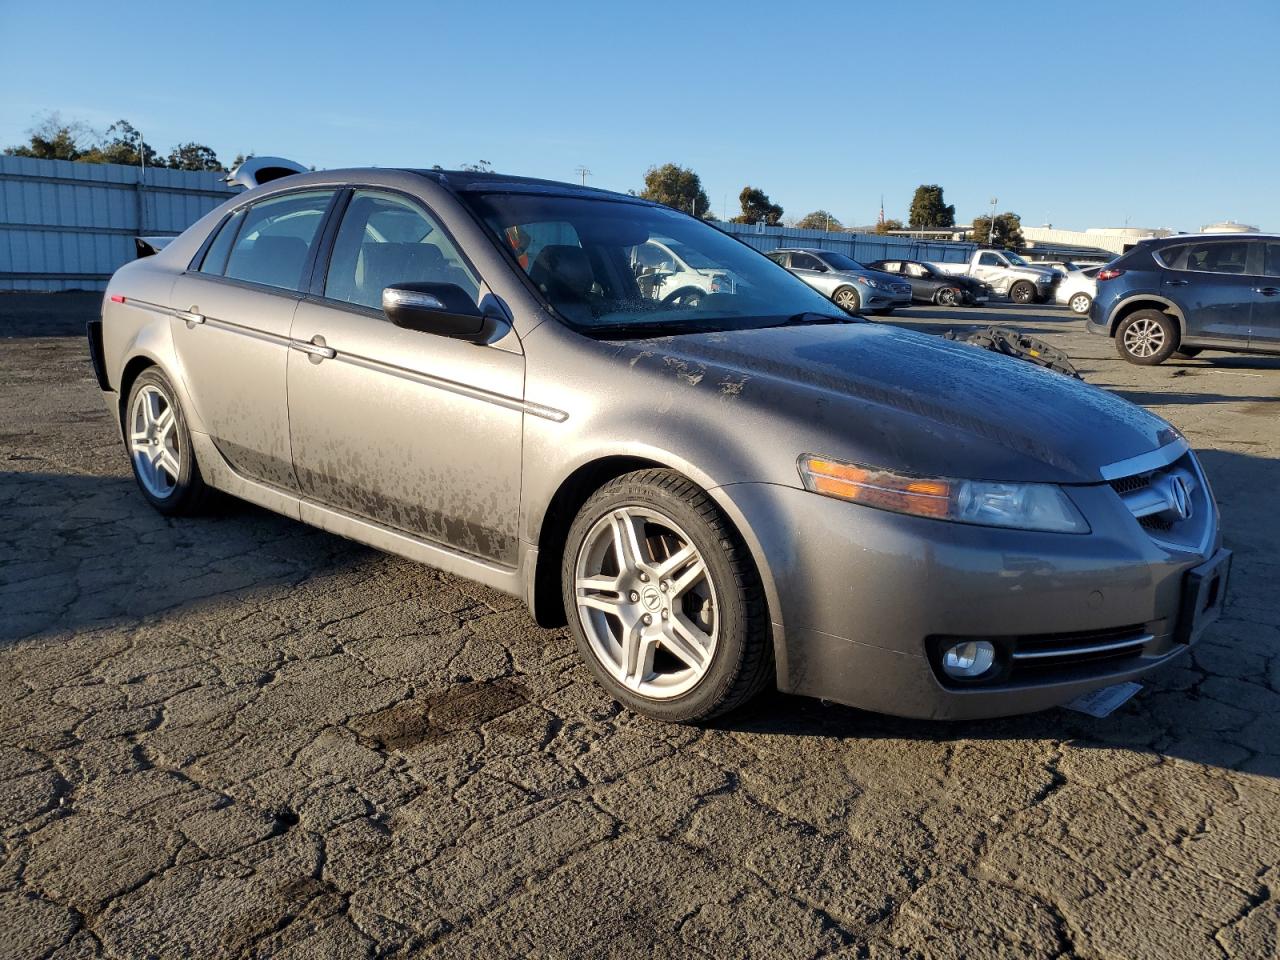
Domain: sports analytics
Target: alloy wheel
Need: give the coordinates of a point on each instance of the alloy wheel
(154, 442)
(1144, 338)
(947, 297)
(846, 300)
(646, 603)
(1080, 303)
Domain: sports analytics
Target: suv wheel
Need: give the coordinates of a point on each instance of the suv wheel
(1147, 337)
(1023, 292)
(663, 599)
(164, 463)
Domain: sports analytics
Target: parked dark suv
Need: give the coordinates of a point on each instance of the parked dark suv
(1179, 295)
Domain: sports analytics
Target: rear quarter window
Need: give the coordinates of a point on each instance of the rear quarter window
(1174, 257)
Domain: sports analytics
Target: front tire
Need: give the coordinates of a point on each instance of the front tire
(159, 444)
(947, 297)
(847, 299)
(1079, 304)
(1147, 337)
(1023, 292)
(664, 601)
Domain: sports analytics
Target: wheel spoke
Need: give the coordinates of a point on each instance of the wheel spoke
(687, 642)
(670, 566)
(169, 463)
(164, 423)
(598, 598)
(626, 542)
(637, 656)
(695, 572)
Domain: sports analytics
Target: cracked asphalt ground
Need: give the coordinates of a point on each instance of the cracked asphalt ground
(238, 736)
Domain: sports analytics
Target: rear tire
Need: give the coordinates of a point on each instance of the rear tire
(159, 444)
(1080, 304)
(1023, 292)
(612, 581)
(1147, 337)
(847, 299)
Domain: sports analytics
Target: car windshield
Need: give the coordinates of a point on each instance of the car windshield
(838, 261)
(582, 254)
(1016, 260)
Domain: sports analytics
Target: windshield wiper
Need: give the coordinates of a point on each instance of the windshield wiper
(660, 328)
(810, 317)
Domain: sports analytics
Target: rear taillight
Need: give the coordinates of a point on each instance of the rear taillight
(1110, 273)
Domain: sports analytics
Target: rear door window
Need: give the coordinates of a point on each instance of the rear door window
(803, 261)
(215, 258)
(1271, 258)
(1222, 256)
(276, 237)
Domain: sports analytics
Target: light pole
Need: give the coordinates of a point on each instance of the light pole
(582, 172)
(991, 228)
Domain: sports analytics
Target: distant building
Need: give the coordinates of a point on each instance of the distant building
(1228, 226)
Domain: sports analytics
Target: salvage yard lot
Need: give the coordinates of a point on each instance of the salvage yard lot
(238, 735)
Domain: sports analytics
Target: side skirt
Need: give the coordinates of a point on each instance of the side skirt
(220, 475)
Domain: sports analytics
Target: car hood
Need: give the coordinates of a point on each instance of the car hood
(906, 401)
(876, 275)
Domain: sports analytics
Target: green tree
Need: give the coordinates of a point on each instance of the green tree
(52, 139)
(757, 206)
(676, 186)
(1007, 233)
(928, 211)
(887, 226)
(819, 220)
(194, 156)
(123, 143)
(480, 166)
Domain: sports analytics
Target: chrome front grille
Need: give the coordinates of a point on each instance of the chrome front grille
(1168, 495)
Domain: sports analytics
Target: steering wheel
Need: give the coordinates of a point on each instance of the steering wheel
(684, 297)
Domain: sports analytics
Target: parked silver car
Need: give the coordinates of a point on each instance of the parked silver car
(1077, 290)
(717, 493)
(849, 284)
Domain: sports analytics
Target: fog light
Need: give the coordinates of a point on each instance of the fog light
(969, 659)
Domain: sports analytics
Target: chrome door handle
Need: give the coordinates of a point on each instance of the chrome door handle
(190, 316)
(1267, 291)
(1176, 283)
(316, 350)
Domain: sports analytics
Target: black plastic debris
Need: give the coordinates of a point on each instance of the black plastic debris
(1011, 343)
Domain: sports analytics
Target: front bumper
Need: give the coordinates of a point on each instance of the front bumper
(861, 598)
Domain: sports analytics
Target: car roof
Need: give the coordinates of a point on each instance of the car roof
(474, 181)
(1186, 237)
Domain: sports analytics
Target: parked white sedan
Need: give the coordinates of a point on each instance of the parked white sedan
(1076, 290)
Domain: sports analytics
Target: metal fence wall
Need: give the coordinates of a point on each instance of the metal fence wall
(864, 247)
(68, 226)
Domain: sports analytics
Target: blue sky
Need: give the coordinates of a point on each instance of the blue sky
(1081, 113)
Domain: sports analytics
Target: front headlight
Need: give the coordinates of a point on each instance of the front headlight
(868, 282)
(1023, 506)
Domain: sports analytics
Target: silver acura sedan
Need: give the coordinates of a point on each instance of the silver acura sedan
(717, 491)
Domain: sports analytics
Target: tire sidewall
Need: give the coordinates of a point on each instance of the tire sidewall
(189, 481)
(1172, 337)
(734, 627)
(1088, 303)
(1022, 292)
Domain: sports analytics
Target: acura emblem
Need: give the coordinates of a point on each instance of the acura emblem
(1178, 496)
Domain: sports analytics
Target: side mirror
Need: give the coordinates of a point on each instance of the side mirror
(444, 309)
